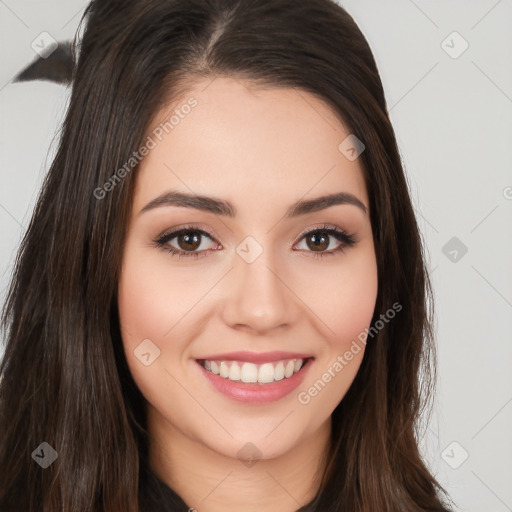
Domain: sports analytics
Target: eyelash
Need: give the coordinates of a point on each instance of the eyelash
(341, 235)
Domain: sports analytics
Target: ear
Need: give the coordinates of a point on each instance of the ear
(58, 67)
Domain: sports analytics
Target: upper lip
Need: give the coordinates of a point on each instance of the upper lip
(255, 357)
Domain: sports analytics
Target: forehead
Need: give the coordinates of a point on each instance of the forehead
(232, 139)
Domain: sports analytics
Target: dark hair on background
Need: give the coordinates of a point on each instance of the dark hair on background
(61, 324)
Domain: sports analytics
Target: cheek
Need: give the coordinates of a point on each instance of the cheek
(343, 298)
(150, 304)
(153, 297)
(344, 301)
(353, 308)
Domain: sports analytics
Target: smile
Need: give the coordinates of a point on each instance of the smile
(266, 378)
(254, 373)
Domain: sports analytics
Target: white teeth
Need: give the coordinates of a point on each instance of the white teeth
(279, 371)
(249, 373)
(223, 369)
(266, 373)
(234, 372)
(252, 373)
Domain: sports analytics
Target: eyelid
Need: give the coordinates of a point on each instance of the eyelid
(323, 227)
(185, 229)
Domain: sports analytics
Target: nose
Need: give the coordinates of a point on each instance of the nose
(257, 297)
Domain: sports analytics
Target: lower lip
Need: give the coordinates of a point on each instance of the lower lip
(256, 393)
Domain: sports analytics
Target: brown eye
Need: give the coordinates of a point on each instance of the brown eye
(186, 242)
(318, 241)
(189, 242)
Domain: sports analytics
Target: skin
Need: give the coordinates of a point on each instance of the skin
(262, 150)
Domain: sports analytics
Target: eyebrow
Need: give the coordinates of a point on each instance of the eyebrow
(225, 208)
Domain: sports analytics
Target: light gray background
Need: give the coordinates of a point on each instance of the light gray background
(453, 120)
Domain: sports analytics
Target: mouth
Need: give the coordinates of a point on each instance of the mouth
(251, 373)
(255, 382)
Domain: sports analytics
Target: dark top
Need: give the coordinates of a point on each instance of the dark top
(156, 496)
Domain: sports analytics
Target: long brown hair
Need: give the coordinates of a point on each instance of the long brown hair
(58, 384)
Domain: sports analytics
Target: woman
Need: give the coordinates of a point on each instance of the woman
(220, 302)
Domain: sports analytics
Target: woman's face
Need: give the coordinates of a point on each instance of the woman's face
(248, 290)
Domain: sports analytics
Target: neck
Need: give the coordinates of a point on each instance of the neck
(211, 482)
